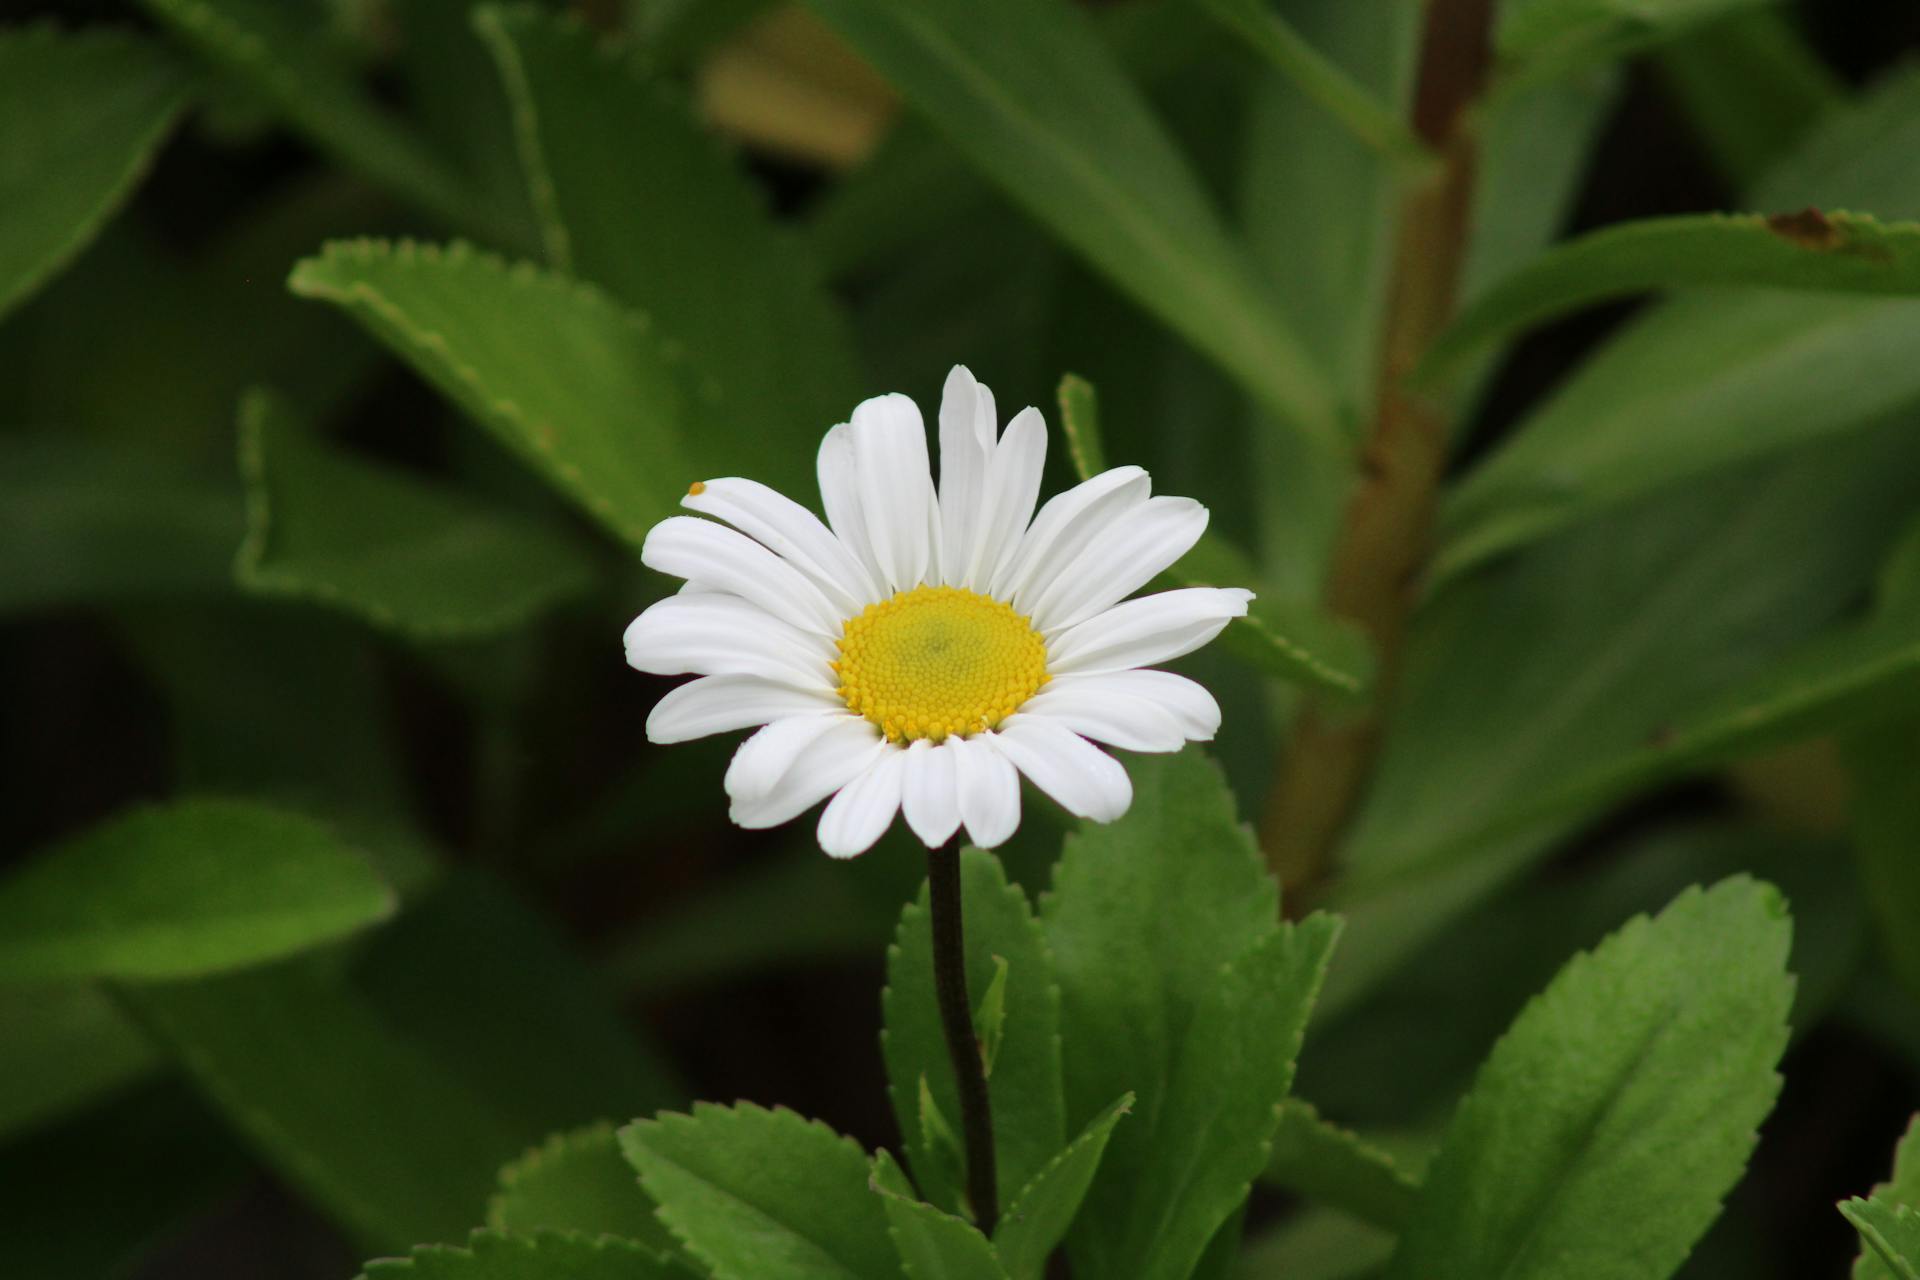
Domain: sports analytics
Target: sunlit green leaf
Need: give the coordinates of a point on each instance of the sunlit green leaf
(421, 559)
(1901, 1190)
(1891, 1232)
(1608, 1123)
(191, 888)
(81, 115)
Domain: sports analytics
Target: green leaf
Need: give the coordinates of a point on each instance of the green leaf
(1891, 1231)
(1707, 381)
(344, 1107)
(1621, 1106)
(990, 1015)
(1080, 423)
(81, 116)
(1027, 92)
(280, 53)
(579, 387)
(1029, 1121)
(1288, 642)
(1335, 1166)
(1808, 250)
(1900, 1191)
(1886, 839)
(1536, 39)
(418, 558)
(1036, 1218)
(66, 1045)
(756, 1193)
(543, 1255)
(1496, 751)
(654, 212)
(577, 1181)
(86, 522)
(1318, 77)
(1750, 87)
(1178, 984)
(501, 999)
(186, 889)
(933, 1244)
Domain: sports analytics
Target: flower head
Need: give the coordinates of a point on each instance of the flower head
(918, 651)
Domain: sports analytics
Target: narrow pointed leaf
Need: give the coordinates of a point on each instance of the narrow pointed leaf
(1809, 251)
(81, 116)
(190, 888)
(1029, 94)
(755, 1193)
(1029, 1121)
(1891, 1232)
(1036, 1217)
(1337, 1167)
(933, 1244)
(1606, 1126)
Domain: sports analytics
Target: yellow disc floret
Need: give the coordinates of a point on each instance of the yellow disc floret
(936, 661)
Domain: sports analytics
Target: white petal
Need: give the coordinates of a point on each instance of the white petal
(721, 704)
(988, 788)
(1086, 781)
(864, 809)
(1139, 545)
(791, 532)
(839, 475)
(792, 765)
(1138, 633)
(930, 792)
(1064, 528)
(967, 428)
(709, 633)
(1118, 719)
(1013, 485)
(723, 559)
(1188, 702)
(896, 488)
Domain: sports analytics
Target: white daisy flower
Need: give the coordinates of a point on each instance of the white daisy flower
(918, 651)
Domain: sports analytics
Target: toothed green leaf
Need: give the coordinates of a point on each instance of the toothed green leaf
(933, 1244)
(754, 1193)
(1621, 1106)
(544, 1255)
(1029, 1122)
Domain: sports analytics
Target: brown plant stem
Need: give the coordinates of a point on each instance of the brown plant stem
(1385, 536)
(963, 1046)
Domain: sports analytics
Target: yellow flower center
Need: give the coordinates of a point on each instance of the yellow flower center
(935, 661)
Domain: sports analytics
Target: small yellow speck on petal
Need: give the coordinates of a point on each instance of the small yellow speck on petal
(697, 488)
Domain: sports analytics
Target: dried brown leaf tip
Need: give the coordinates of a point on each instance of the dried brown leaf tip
(1809, 228)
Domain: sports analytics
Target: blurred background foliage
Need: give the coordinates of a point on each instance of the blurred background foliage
(259, 568)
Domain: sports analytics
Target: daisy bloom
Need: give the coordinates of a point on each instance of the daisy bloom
(919, 650)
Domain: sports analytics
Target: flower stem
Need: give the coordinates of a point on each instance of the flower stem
(963, 1046)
